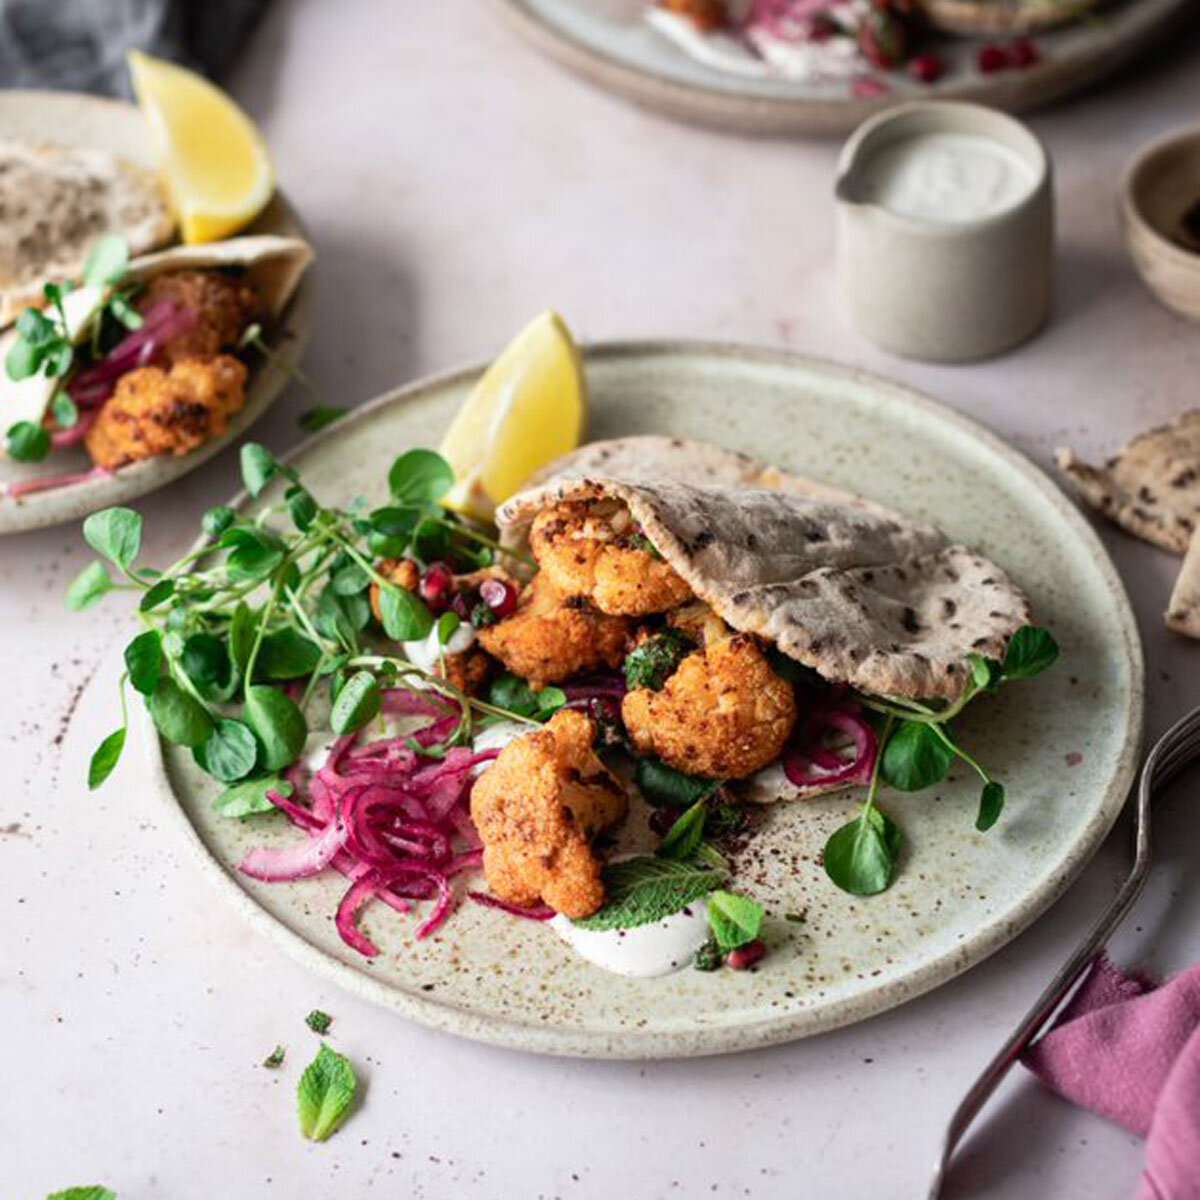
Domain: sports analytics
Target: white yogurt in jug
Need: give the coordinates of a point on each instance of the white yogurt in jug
(949, 178)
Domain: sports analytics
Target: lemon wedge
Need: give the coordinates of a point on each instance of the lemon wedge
(529, 407)
(216, 164)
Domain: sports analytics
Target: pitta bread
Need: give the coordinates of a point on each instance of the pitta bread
(55, 201)
(1183, 611)
(1151, 487)
(860, 595)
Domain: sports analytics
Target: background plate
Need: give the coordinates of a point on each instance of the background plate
(1065, 744)
(609, 43)
(70, 119)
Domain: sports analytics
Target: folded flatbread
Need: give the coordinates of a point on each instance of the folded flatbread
(860, 594)
(56, 201)
(1151, 488)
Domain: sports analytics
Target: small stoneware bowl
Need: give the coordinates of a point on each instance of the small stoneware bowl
(1160, 214)
(945, 231)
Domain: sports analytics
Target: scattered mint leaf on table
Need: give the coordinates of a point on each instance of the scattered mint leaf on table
(93, 1192)
(275, 1058)
(318, 1021)
(325, 1094)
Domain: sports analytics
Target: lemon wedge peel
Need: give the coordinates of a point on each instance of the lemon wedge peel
(216, 165)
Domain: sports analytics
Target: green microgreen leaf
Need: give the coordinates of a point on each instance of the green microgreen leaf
(27, 442)
(178, 716)
(115, 533)
(286, 654)
(249, 797)
(447, 626)
(420, 477)
(230, 751)
(164, 589)
(860, 857)
(205, 661)
(258, 467)
(514, 695)
(406, 618)
(1030, 651)
(350, 580)
(107, 261)
(991, 805)
(105, 758)
(358, 702)
(217, 520)
(66, 414)
(325, 1094)
(88, 586)
(278, 724)
(318, 418)
(734, 919)
(144, 660)
(915, 757)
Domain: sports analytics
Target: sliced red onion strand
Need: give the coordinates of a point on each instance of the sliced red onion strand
(810, 762)
(541, 912)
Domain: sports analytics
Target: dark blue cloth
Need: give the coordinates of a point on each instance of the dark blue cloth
(79, 45)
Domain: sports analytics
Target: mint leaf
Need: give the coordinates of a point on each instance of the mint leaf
(274, 1059)
(325, 1093)
(655, 660)
(318, 1021)
(685, 834)
(642, 890)
(668, 788)
(94, 1192)
(734, 919)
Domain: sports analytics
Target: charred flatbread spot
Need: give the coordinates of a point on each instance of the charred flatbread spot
(705, 537)
(949, 608)
(910, 622)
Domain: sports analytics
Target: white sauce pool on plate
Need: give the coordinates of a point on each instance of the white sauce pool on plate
(645, 951)
(496, 737)
(948, 178)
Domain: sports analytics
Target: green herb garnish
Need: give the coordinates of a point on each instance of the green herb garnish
(318, 1021)
(259, 604)
(274, 1059)
(642, 890)
(93, 1192)
(325, 1094)
(666, 787)
(511, 692)
(655, 660)
(735, 920)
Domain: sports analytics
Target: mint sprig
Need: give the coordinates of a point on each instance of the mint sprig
(646, 889)
(325, 1094)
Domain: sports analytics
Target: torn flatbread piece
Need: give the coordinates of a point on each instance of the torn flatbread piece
(56, 201)
(1183, 611)
(1151, 487)
(860, 595)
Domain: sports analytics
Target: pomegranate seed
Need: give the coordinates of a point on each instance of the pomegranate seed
(500, 596)
(436, 586)
(992, 58)
(460, 605)
(927, 68)
(1022, 53)
(745, 956)
(661, 820)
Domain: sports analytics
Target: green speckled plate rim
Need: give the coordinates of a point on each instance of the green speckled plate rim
(116, 125)
(634, 1044)
(1115, 41)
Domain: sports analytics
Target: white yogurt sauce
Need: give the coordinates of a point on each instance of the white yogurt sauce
(644, 951)
(496, 737)
(426, 651)
(949, 178)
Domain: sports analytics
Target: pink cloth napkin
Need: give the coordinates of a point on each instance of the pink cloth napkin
(1129, 1049)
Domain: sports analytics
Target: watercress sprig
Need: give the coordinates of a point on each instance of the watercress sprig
(239, 635)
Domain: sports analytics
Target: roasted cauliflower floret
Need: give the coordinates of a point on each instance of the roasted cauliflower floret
(593, 548)
(224, 305)
(538, 809)
(723, 714)
(706, 15)
(551, 638)
(155, 411)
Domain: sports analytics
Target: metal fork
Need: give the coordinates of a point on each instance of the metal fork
(1178, 747)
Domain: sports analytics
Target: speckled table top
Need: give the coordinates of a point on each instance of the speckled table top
(454, 184)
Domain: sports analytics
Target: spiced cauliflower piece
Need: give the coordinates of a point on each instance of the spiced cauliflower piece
(223, 304)
(538, 808)
(593, 548)
(551, 638)
(723, 714)
(154, 411)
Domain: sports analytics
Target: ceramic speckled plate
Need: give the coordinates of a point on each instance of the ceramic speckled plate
(1064, 744)
(78, 120)
(609, 43)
